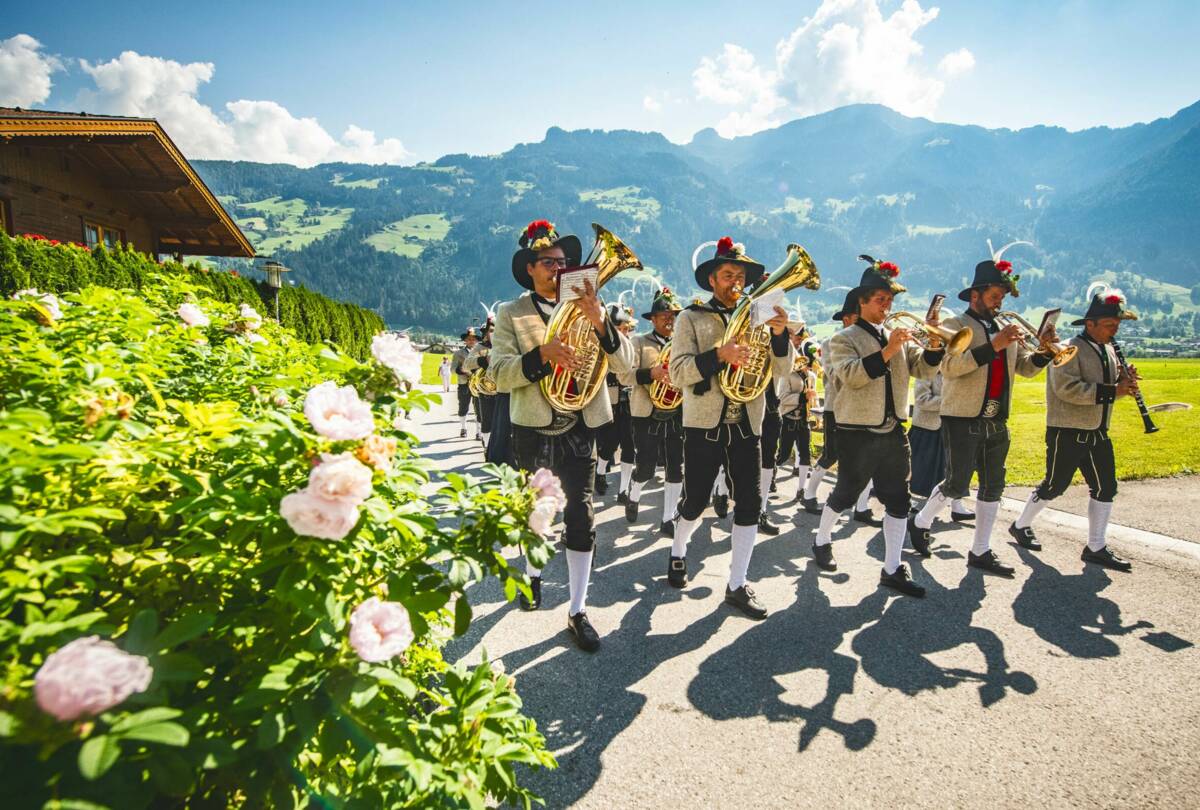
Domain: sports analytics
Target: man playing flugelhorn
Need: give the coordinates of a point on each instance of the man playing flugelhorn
(1079, 401)
(541, 435)
(872, 366)
(718, 430)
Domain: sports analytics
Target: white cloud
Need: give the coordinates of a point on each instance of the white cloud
(847, 52)
(25, 72)
(148, 86)
(956, 63)
(651, 104)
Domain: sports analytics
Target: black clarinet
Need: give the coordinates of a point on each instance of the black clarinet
(1137, 394)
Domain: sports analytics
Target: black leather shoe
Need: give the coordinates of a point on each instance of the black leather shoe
(766, 526)
(462, 434)
(631, 510)
(989, 562)
(744, 600)
(677, 572)
(601, 485)
(585, 635)
(667, 529)
(772, 487)
(622, 497)
(1025, 537)
(962, 517)
(918, 537)
(1106, 558)
(868, 517)
(810, 505)
(535, 587)
(901, 582)
(721, 505)
(824, 557)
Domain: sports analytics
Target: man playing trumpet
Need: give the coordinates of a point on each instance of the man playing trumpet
(719, 431)
(1079, 401)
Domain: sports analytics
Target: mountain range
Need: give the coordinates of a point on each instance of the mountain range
(424, 244)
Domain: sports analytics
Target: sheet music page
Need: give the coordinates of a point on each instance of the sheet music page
(763, 309)
(572, 278)
(1048, 320)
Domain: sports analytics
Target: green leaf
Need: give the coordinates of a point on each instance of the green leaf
(98, 755)
(141, 631)
(145, 717)
(462, 615)
(163, 733)
(185, 628)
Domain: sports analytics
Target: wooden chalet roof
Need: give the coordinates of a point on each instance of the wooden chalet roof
(134, 157)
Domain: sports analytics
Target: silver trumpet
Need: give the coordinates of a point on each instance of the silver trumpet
(1058, 352)
(930, 336)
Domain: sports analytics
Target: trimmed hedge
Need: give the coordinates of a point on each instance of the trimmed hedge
(52, 266)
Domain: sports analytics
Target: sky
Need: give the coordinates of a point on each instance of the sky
(401, 82)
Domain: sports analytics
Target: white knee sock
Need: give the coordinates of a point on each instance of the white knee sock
(825, 530)
(960, 506)
(894, 529)
(721, 488)
(635, 490)
(936, 503)
(626, 474)
(985, 518)
(602, 467)
(1098, 514)
(579, 568)
(742, 541)
(814, 481)
(864, 500)
(485, 437)
(530, 570)
(800, 478)
(764, 484)
(670, 500)
(683, 533)
(1033, 507)
(462, 423)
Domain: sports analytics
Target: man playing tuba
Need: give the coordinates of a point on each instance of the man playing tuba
(541, 435)
(717, 430)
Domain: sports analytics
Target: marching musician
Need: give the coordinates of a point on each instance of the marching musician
(542, 436)
(928, 450)
(1079, 401)
(617, 434)
(717, 430)
(485, 402)
(976, 397)
(797, 393)
(463, 375)
(872, 366)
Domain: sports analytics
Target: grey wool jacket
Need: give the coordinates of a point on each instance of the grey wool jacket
(699, 331)
(856, 362)
(964, 388)
(927, 403)
(646, 348)
(1079, 394)
(458, 362)
(830, 383)
(517, 367)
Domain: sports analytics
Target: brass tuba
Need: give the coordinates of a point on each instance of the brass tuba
(1059, 353)
(572, 390)
(664, 396)
(745, 383)
(480, 384)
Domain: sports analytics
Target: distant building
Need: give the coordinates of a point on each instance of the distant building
(102, 179)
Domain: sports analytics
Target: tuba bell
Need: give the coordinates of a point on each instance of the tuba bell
(665, 396)
(571, 391)
(745, 383)
(481, 384)
(1059, 353)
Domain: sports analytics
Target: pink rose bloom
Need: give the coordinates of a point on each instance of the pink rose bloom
(547, 485)
(192, 315)
(380, 630)
(87, 677)
(48, 300)
(281, 400)
(397, 353)
(313, 516)
(340, 478)
(541, 517)
(337, 413)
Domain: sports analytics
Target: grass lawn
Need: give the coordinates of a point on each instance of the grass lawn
(292, 233)
(411, 235)
(1171, 451)
(429, 369)
(372, 182)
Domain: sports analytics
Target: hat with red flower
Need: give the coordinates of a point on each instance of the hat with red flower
(537, 236)
(995, 271)
(664, 301)
(878, 276)
(1106, 303)
(727, 252)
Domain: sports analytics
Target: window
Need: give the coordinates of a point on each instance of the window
(94, 234)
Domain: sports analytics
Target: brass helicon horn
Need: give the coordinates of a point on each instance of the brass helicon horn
(663, 395)
(747, 382)
(571, 391)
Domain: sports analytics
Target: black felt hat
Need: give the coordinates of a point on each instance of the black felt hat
(729, 252)
(471, 332)
(994, 271)
(878, 276)
(1107, 304)
(849, 306)
(620, 314)
(540, 235)
(664, 301)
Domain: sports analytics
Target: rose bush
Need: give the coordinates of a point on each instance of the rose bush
(222, 585)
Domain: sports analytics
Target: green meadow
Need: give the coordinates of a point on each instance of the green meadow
(292, 230)
(411, 235)
(624, 200)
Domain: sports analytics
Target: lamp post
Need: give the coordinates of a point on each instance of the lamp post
(275, 272)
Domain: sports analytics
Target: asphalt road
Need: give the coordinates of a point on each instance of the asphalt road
(1066, 686)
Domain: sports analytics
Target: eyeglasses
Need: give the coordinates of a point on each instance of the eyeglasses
(552, 262)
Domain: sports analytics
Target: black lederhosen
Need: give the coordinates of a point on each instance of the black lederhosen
(769, 436)
(1090, 452)
(974, 444)
(499, 449)
(487, 412)
(659, 439)
(569, 456)
(881, 459)
(928, 460)
(794, 434)
(464, 399)
(704, 452)
(829, 451)
(617, 434)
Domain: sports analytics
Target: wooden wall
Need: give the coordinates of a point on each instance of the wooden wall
(51, 192)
